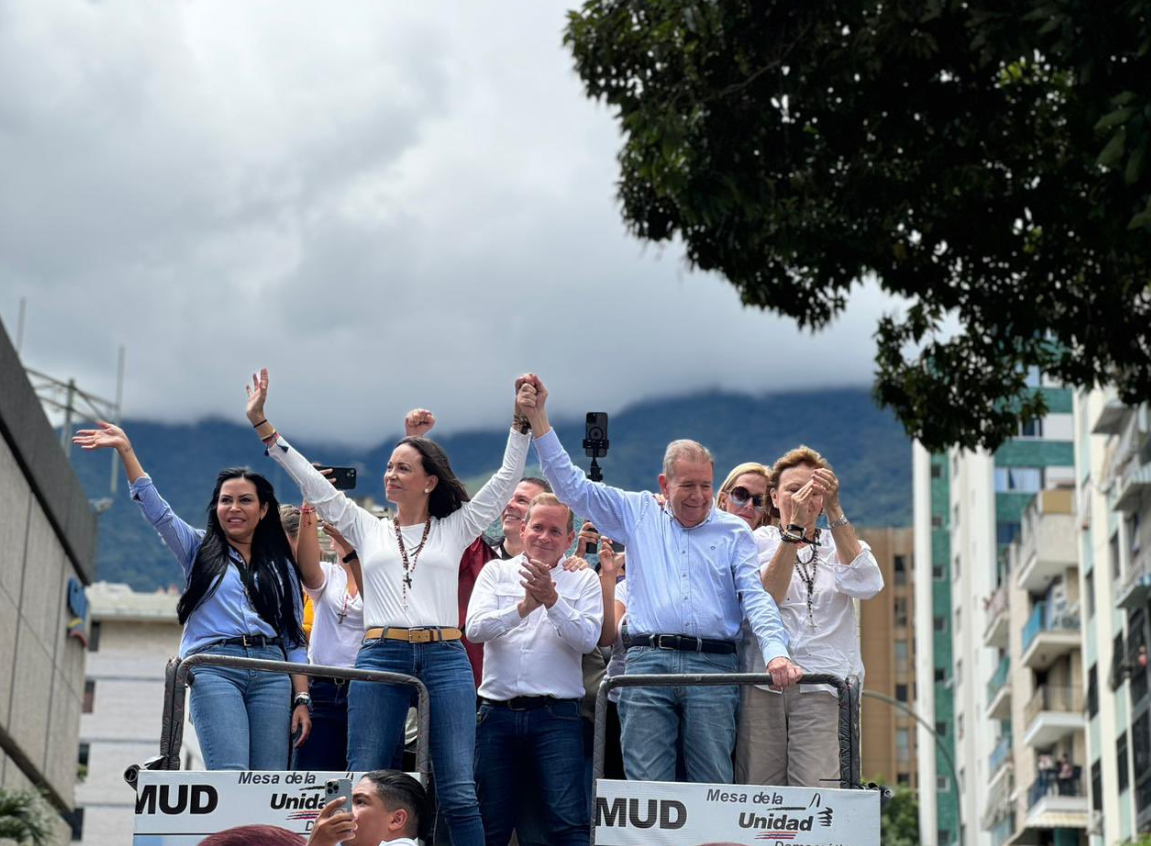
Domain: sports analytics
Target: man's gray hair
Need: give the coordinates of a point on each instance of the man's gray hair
(685, 450)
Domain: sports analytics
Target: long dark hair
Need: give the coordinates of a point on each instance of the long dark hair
(450, 494)
(267, 578)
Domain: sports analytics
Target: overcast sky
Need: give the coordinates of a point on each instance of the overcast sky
(387, 204)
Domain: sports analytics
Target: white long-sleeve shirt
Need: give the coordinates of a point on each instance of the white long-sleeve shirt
(540, 654)
(832, 646)
(433, 598)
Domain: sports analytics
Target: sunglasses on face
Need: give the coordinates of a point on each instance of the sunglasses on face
(741, 496)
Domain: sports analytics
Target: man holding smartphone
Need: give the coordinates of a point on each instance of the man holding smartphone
(693, 575)
(387, 807)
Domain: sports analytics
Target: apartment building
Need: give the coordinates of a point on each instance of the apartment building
(969, 509)
(887, 643)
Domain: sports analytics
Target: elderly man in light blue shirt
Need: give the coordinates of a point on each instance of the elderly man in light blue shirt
(693, 575)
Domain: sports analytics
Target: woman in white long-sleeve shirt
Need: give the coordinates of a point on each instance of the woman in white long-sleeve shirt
(408, 571)
(792, 738)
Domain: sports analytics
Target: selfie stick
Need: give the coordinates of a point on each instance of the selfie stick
(594, 473)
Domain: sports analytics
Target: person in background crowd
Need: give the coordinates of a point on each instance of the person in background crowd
(417, 424)
(387, 807)
(744, 494)
(613, 584)
(409, 575)
(691, 580)
(241, 598)
(254, 835)
(290, 517)
(792, 738)
(338, 629)
(536, 621)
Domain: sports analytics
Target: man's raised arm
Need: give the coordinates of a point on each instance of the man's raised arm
(613, 511)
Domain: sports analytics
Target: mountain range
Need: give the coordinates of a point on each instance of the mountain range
(866, 446)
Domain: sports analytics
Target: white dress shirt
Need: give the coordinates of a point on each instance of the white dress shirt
(338, 624)
(828, 642)
(540, 654)
(433, 598)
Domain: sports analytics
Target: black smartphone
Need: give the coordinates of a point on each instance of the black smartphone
(590, 548)
(344, 478)
(596, 443)
(616, 546)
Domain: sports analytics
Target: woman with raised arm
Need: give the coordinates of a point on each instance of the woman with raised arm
(409, 569)
(241, 598)
(792, 738)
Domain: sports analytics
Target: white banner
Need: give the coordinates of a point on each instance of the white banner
(641, 813)
(182, 807)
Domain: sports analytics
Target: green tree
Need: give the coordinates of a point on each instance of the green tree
(899, 821)
(24, 818)
(987, 162)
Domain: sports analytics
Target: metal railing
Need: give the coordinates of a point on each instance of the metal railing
(999, 679)
(1066, 621)
(1000, 754)
(1048, 783)
(176, 688)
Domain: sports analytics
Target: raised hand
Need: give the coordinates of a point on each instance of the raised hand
(418, 422)
(341, 545)
(257, 395)
(107, 436)
(334, 825)
(610, 561)
(537, 582)
(803, 504)
(828, 485)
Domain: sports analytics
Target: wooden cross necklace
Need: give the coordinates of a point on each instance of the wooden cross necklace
(410, 566)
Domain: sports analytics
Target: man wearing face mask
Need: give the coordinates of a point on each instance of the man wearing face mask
(792, 739)
(692, 576)
(536, 620)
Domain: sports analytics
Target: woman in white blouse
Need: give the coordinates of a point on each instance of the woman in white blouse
(792, 738)
(408, 571)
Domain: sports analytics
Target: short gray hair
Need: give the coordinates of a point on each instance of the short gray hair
(685, 450)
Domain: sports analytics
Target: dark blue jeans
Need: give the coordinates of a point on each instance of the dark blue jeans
(376, 714)
(326, 749)
(533, 756)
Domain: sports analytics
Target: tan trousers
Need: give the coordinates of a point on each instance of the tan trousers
(788, 739)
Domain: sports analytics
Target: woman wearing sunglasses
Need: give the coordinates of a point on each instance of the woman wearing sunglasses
(792, 738)
(744, 494)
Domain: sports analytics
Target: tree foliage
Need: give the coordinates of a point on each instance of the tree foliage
(24, 818)
(899, 820)
(985, 162)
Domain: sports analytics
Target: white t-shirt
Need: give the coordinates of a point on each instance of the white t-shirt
(338, 625)
(433, 597)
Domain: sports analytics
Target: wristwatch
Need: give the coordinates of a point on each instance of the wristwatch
(835, 524)
(302, 699)
(350, 557)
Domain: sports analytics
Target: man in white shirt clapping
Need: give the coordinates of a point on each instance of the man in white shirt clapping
(536, 621)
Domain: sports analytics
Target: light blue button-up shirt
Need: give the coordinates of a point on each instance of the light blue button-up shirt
(700, 581)
(227, 613)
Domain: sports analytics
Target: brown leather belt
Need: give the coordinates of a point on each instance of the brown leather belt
(428, 635)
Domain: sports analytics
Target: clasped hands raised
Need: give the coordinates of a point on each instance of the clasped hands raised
(539, 588)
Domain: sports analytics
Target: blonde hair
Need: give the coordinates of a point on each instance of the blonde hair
(753, 468)
(802, 454)
(549, 499)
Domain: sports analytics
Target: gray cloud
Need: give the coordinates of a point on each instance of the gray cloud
(387, 204)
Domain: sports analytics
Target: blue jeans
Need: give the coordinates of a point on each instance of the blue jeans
(532, 757)
(242, 717)
(655, 719)
(376, 714)
(326, 748)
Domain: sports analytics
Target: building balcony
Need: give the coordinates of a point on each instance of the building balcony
(1049, 541)
(1136, 587)
(1001, 832)
(998, 619)
(1133, 480)
(999, 691)
(1057, 803)
(1111, 418)
(1000, 755)
(1000, 797)
(1048, 636)
(1052, 714)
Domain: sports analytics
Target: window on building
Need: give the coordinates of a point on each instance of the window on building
(938, 573)
(89, 696)
(941, 729)
(937, 521)
(903, 744)
(1006, 532)
(901, 692)
(1093, 691)
(939, 623)
(944, 834)
(902, 655)
(1133, 542)
(1089, 590)
(899, 565)
(1121, 760)
(1031, 429)
(1113, 557)
(959, 671)
(1097, 786)
(1141, 745)
(1018, 479)
(899, 605)
(940, 675)
(76, 822)
(959, 619)
(936, 470)
(959, 734)
(956, 567)
(94, 637)
(955, 516)
(903, 779)
(943, 785)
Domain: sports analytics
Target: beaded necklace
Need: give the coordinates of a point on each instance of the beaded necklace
(808, 577)
(410, 566)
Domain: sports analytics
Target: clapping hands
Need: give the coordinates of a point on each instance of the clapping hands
(539, 589)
